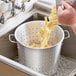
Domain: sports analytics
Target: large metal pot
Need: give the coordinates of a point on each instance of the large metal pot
(43, 60)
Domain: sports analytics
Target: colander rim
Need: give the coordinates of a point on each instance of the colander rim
(18, 41)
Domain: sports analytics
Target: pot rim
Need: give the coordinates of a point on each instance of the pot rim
(18, 41)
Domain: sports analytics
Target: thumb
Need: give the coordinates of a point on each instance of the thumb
(66, 5)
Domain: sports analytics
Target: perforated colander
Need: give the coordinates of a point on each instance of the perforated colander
(43, 60)
(29, 33)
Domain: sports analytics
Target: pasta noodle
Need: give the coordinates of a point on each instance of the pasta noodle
(44, 34)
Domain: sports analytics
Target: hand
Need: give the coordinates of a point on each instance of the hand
(72, 3)
(67, 16)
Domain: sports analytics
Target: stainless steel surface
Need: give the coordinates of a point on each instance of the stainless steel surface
(19, 66)
(6, 47)
(67, 34)
(2, 19)
(67, 66)
(9, 9)
(58, 2)
(13, 8)
(23, 6)
(73, 73)
(43, 60)
(69, 45)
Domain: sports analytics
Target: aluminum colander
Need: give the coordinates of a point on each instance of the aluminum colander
(42, 60)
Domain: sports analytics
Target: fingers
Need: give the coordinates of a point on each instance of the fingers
(66, 5)
(63, 7)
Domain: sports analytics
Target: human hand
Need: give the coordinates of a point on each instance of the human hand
(67, 16)
(72, 3)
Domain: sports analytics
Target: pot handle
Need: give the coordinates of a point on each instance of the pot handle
(67, 34)
(12, 38)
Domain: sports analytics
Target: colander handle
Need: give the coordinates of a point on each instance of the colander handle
(12, 38)
(67, 34)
